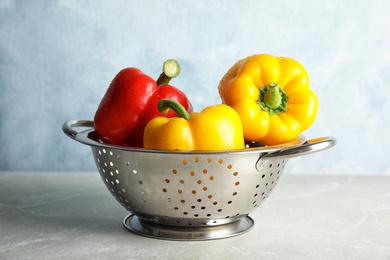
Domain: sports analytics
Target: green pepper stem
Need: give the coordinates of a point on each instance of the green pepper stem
(165, 104)
(273, 99)
(171, 69)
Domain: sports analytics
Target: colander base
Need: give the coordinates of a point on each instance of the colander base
(153, 230)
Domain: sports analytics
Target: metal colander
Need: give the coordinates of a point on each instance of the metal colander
(190, 195)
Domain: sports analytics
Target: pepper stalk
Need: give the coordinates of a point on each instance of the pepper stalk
(165, 104)
(171, 69)
(273, 99)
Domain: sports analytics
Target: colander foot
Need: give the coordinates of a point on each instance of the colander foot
(152, 230)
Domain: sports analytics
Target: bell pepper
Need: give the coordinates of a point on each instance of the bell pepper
(131, 102)
(272, 96)
(215, 128)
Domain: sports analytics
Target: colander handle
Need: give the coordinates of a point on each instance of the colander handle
(68, 127)
(310, 146)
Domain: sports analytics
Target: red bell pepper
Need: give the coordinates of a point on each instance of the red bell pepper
(131, 102)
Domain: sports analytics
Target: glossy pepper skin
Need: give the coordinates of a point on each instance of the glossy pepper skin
(216, 128)
(272, 96)
(129, 104)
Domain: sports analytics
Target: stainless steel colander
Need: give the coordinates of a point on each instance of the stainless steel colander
(190, 195)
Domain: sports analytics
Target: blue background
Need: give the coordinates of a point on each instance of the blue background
(57, 59)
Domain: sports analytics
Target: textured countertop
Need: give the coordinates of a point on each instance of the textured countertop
(64, 215)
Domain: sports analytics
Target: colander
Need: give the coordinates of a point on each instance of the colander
(190, 195)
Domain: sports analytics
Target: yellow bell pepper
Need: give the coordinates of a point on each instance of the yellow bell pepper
(216, 128)
(272, 97)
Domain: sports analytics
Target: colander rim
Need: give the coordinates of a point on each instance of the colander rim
(88, 137)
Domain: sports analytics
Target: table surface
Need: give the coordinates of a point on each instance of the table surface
(66, 215)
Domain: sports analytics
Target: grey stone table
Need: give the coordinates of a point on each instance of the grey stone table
(60, 215)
